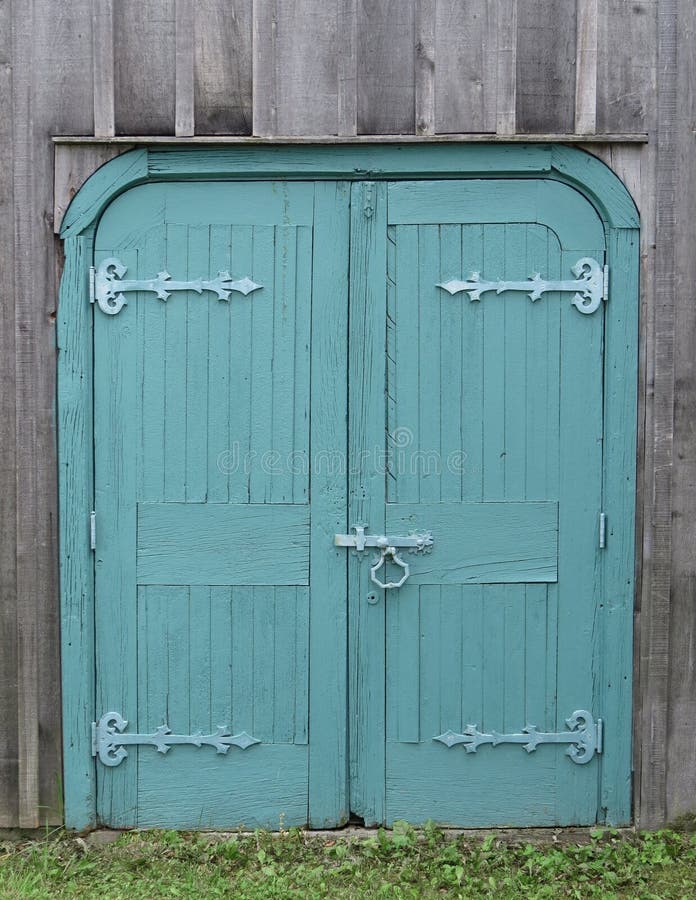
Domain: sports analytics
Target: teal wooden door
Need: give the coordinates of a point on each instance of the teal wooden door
(249, 670)
(479, 420)
(212, 555)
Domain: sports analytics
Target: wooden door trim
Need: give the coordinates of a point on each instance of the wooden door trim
(376, 161)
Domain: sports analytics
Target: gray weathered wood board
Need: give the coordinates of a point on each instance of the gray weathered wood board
(344, 67)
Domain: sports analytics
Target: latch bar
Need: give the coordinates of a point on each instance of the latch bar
(417, 542)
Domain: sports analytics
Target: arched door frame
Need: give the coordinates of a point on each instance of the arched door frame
(346, 162)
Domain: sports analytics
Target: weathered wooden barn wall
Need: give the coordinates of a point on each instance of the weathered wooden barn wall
(598, 71)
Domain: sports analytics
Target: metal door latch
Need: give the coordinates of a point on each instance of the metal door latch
(418, 542)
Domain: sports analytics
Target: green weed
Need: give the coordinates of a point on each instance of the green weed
(403, 864)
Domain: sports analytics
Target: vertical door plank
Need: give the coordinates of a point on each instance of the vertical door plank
(261, 389)
(492, 310)
(222, 66)
(546, 47)
(221, 455)
(116, 616)
(283, 385)
(152, 464)
(386, 68)
(248, 324)
(514, 366)
(223, 710)
(404, 432)
(298, 462)
(366, 493)
(145, 35)
(426, 467)
(198, 308)
(451, 365)
(76, 573)
(579, 506)
(328, 783)
(175, 366)
(471, 412)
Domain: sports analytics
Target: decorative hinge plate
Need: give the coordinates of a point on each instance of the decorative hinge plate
(584, 737)
(110, 287)
(109, 739)
(590, 285)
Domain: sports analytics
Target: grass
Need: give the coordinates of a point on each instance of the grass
(401, 863)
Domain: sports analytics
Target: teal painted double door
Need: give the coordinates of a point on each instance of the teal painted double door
(235, 437)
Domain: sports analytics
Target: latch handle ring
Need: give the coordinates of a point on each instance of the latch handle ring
(381, 563)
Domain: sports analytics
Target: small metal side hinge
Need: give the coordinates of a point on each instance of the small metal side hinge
(93, 530)
(602, 531)
(369, 199)
(91, 284)
(605, 286)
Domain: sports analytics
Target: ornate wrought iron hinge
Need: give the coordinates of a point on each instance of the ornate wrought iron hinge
(109, 740)
(584, 737)
(590, 286)
(110, 288)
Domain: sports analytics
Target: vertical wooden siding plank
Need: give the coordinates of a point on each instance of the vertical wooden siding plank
(586, 67)
(76, 498)
(52, 91)
(506, 81)
(264, 81)
(425, 66)
(145, 78)
(347, 67)
(681, 768)
(307, 65)
(327, 619)
(386, 68)
(103, 67)
(466, 64)
(9, 736)
(626, 80)
(296, 63)
(657, 599)
(222, 66)
(546, 47)
(183, 68)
